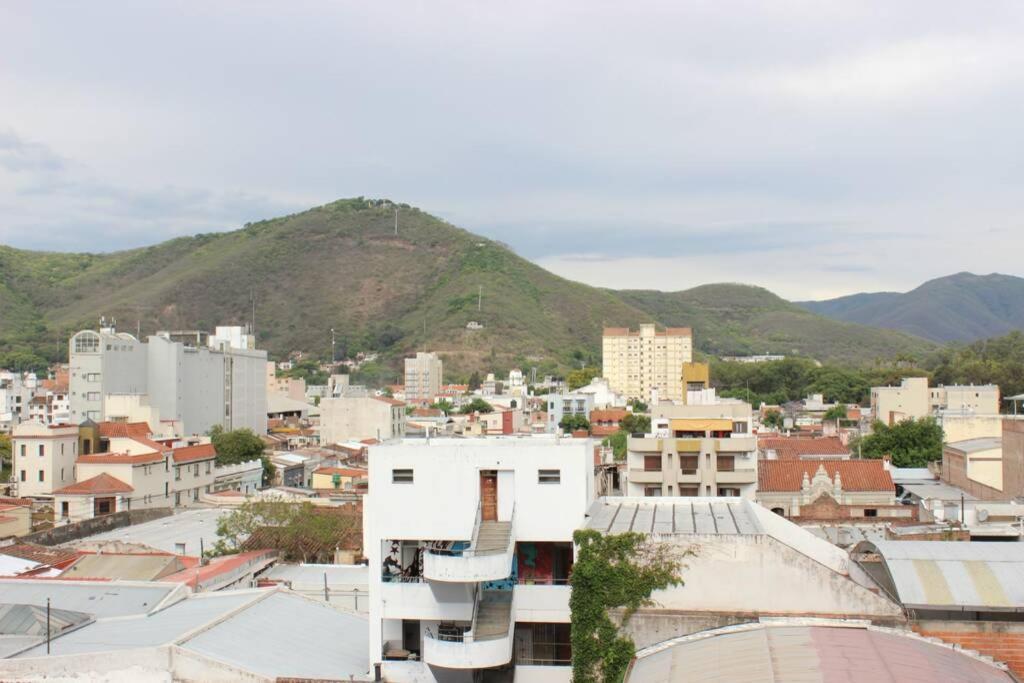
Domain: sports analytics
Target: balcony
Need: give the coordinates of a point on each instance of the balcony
(737, 476)
(744, 444)
(640, 476)
(643, 444)
(489, 557)
(688, 445)
(488, 643)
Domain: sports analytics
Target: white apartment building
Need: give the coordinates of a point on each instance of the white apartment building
(914, 399)
(196, 386)
(469, 544)
(646, 364)
(358, 414)
(16, 391)
(694, 450)
(423, 375)
(43, 457)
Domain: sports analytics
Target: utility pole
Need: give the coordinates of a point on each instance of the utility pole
(396, 221)
(479, 298)
(334, 358)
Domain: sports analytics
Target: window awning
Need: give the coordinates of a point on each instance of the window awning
(701, 425)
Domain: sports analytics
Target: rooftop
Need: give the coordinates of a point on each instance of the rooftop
(98, 598)
(802, 446)
(186, 527)
(985, 443)
(856, 475)
(812, 651)
(101, 483)
(673, 516)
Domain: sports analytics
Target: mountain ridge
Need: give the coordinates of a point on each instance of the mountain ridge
(342, 266)
(962, 307)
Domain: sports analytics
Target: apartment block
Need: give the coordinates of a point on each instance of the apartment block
(470, 547)
(559, 406)
(647, 363)
(358, 414)
(172, 377)
(914, 399)
(423, 375)
(43, 457)
(694, 450)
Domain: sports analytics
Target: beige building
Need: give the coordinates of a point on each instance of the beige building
(978, 460)
(646, 363)
(293, 388)
(694, 450)
(914, 399)
(43, 457)
(358, 415)
(15, 517)
(423, 374)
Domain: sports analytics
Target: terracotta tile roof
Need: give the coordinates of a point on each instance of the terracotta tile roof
(129, 430)
(101, 483)
(667, 332)
(120, 459)
(794, 448)
(388, 399)
(427, 412)
(16, 502)
(370, 441)
(608, 415)
(203, 451)
(40, 553)
(343, 471)
(615, 331)
(856, 475)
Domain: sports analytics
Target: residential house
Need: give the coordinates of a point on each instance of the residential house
(43, 457)
(15, 517)
(337, 478)
(802, 448)
(564, 405)
(605, 422)
(16, 391)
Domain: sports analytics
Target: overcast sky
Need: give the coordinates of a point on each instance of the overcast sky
(816, 148)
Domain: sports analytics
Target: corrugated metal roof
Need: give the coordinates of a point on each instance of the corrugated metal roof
(673, 516)
(312, 575)
(127, 567)
(954, 575)
(775, 653)
(167, 532)
(937, 491)
(106, 599)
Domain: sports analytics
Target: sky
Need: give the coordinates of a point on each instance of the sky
(815, 148)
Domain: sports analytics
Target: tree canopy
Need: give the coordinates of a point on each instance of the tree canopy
(912, 443)
(240, 445)
(477, 405)
(572, 423)
(581, 378)
(300, 531)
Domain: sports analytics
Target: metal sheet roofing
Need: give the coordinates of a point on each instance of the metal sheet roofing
(167, 532)
(100, 599)
(982, 443)
(771, 653)
(938, 491)
(951, 575)
(673, 516)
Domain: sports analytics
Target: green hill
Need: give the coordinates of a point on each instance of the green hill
(960, 307)
(341, 266)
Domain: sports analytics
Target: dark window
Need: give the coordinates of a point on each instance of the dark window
(688, 464)
(870, 512)
(23, 475)
(42, 476)
(652, 463)
(549, 476)
(401, 476)
(726, 463)
(652, 491)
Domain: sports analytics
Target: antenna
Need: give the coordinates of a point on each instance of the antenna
(396, 221)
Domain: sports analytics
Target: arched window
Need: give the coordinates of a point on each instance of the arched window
(779, 511)
(87, 342)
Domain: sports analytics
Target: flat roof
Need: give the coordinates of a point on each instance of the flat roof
(983, 443)
(813, 651)
(939, 490)
(167, 532)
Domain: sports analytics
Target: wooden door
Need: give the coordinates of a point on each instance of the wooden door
(489, 496)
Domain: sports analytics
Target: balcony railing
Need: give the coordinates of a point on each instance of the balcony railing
(472, 564)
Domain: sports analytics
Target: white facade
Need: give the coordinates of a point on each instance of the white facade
(195, 386)
(602, 394)
(428, 514)
(43, 457)
(913, 399)
(423, 375)
(16, 391)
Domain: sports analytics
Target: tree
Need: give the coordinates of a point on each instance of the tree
(572, 423)
(240, 445)
(477, 405)
(617, 442)
(581, 378)
(773, 418)
(444, 405)
(611, 572)
(300, 531)
(637, 405)
(836, 412)
(5, 455)
(911, 443)
(474, 381)
(635, 424)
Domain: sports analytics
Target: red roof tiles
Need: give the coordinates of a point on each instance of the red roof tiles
(794, 448)
(856, 475)
(101, 483)
(129, 430)
(343, 471)
(203, 451)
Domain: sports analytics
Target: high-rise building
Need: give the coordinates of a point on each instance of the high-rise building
(647, 363)
(422, 377)
(168, 378)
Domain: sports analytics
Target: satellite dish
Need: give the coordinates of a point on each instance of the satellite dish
(982, 514)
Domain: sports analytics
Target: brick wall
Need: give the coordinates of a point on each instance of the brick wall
(1001, 640)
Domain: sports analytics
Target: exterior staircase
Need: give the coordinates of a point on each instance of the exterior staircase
(493, 537)
(493, 615)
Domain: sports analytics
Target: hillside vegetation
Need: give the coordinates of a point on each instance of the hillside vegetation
(960, 307)
(341, 265)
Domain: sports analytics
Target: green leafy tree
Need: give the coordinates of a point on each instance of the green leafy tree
(911, 443)
(836, 412)
(477, 405)
(444, 405)
(299, 530)
(637, 405)
(613, 572)
(572, 423)
(773, 418)
(617, 442)
(635, 424)
(581, 378)
(474, 381)
(5, 456)
(240, 445)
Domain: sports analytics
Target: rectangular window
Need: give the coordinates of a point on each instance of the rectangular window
(42, 476)
(549, 476)
(195, 470)
(401, 476)
(870, 512)
(177, 474)
(739, 427)
(208, 466)
(23, 475)
(652, 463)
(652, 491)
(726, 463)
(42, 451)
(23, 448)
(688, 464)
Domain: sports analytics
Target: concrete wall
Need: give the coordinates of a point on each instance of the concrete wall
(59, 448)
(74, 532)
(960, 427)
(1013, 457)
(354, 418)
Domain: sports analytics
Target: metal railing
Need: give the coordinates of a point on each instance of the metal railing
(472, 550)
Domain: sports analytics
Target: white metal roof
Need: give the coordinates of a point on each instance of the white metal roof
(981, 443)
(167, 532)
(100, 599)
(952, 575)
(673, 516)
(938, 491)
